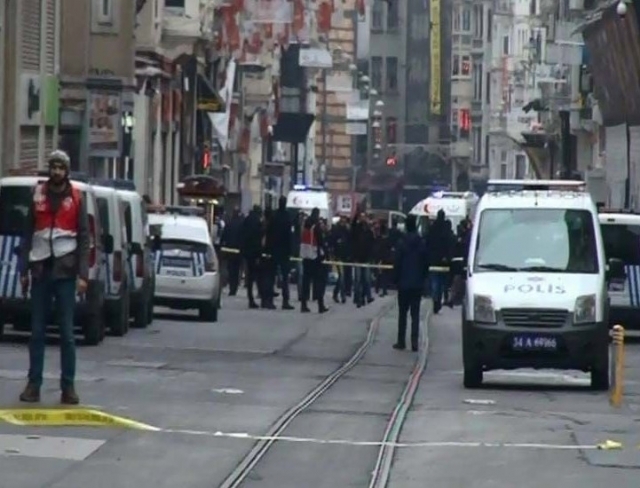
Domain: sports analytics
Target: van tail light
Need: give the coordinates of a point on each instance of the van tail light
(92, 241)
(117, 266)
(210, 261)
(140, 266)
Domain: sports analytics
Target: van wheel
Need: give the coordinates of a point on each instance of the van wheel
(141, 317)
(119, 321)
(209, 312)
(2, 324)
(93, 328)
(600, 373)
(473, 373)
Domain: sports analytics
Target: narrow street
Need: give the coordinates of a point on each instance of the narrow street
(214, 392)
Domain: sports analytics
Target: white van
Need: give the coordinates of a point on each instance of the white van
(621, 236)
(187, 272)
(305, 198)
(457, 206)
(16, 196)
(140, 258)
(536, 282)
(115, 259)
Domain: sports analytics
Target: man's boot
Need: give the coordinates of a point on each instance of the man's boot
(321, 307)
(287, 306)
(69, 396)
(31, 394)
(304, 308)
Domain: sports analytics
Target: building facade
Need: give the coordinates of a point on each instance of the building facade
(30, 32)
(97, 87)
(408, 63)
(537, 101)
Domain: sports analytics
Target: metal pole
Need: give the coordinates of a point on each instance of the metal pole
(324, 116)
(627, 183)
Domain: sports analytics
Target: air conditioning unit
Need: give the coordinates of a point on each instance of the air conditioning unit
(576, 5)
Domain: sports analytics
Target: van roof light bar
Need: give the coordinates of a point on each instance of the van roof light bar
(497, 186)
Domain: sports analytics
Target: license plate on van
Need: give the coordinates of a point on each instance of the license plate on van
(534, 342)
(176, 262)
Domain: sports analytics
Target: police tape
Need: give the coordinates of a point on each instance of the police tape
(69, 417)
(437, 269)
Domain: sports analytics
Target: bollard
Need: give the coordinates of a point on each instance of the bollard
(617, 369)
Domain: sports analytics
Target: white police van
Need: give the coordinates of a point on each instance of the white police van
(140, 258)
(186, 266)
(16, 195)
(621, 236)
(536, 282)
(115, 259)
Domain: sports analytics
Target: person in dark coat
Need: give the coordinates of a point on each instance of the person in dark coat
(410, 270)
(362, 239)
(312, 260)
(251, 251)
(231, 238)
(339, 236)
(279, 246)
(439, 245)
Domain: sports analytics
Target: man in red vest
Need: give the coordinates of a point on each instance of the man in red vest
(54, 264)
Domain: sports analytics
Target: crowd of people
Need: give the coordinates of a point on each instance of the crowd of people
(275, 249)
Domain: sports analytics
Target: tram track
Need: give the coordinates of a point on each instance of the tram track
(244, 468)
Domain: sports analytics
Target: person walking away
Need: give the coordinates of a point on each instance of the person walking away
(439, 246)
(251, 251)
(311, 254)
(322, 271)
(231, 238)
(267, 266)
(385, 258)
(339, 236)
(410, 270)
(54, 260)
(280, 238)
(362, 239)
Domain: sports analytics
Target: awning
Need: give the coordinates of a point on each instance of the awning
(201, 186)
(292, 127)
(536, 148)
(594, 16)
(209, 100)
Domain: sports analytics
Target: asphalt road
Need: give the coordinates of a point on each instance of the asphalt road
(233, 377)
(533, 422)
(214, 389)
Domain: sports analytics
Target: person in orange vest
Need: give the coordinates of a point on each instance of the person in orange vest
(54, 264)
(312, 253)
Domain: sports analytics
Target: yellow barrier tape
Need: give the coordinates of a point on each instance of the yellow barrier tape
(438, 269)
(70, 417)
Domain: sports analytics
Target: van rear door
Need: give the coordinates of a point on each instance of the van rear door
(181, 258)
(622, 241)
(14, 208)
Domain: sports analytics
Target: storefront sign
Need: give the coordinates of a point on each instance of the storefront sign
(105, 124)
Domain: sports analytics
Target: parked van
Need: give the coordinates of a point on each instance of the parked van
(621, 236)
(140, 258)
(187, 266)
(115, 260)
(16, 197)
(537, 282)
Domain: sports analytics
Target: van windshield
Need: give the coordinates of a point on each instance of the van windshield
(545, 240)
(622, 242)
(14, 208)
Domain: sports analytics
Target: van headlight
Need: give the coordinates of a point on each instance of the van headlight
(483, 311)
(585, 310)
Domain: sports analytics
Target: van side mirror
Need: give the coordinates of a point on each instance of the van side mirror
(616, 269)
(107, 243)
(135, 248)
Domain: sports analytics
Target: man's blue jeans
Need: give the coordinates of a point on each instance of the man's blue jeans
(43, 292)
(437, 286)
